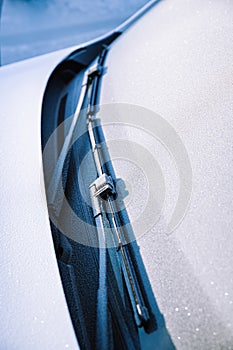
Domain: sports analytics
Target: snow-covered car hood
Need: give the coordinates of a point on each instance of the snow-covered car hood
(32, 302)
(177, 62)
(33, 307)
(173, 64)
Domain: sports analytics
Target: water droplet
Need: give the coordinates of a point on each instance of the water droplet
(197, 329)
(188, 314)
(226, 293)
(177, 309)
(67, 345)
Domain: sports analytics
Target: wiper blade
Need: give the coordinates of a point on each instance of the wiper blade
(104, 211)
(103, 195)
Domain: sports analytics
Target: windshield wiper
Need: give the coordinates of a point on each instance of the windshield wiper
(104, 210)
(103, 195)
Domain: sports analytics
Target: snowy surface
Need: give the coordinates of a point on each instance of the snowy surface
(31, 28)
(183, 72)
(32, 303)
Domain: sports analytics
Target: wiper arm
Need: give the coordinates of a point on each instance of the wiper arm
(103, 194)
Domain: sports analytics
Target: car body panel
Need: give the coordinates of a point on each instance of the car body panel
(181, 70)
(33, 306)
(32, 301)
(177, 62)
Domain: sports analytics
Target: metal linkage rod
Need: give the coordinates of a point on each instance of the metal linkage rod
(103, 196)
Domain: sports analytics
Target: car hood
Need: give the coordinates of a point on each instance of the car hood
(177, 62)
(32, 303)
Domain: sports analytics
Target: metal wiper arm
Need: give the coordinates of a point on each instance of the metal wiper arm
(102, 193)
